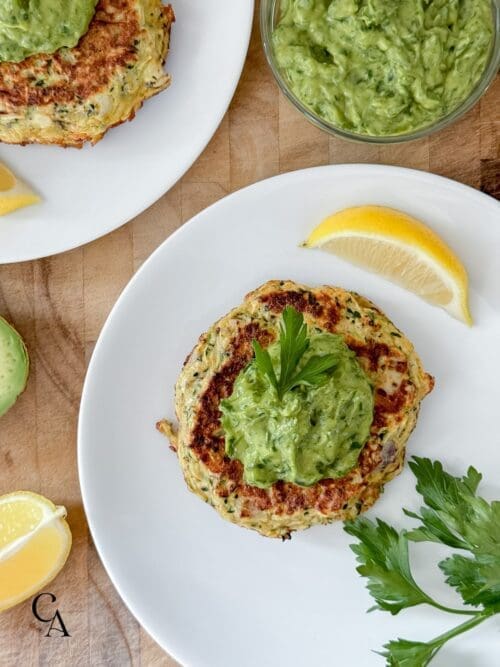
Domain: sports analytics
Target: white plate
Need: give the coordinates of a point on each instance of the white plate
(88, 193)
(214, 594)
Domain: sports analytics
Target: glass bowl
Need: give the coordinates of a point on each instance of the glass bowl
(268, 18)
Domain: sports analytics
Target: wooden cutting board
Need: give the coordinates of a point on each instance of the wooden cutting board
(60, 304)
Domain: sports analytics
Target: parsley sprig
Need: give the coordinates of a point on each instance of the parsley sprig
(294, 342)
(453, 515)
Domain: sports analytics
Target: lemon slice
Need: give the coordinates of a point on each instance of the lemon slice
(35, 541)
(14, 193)
(401, 249)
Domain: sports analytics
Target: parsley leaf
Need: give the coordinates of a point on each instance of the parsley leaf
(407, 653)
(383, 557)
(451, 508)
(455, 515)
(293, 343)
(314, 372)
(433, 529)
(264, 363)
(476, 579)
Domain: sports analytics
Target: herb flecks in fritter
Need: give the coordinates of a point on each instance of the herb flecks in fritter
(209, 376)
(76, 95)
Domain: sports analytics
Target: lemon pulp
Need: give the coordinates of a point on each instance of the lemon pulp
(14, 194)
(35, 541)
(399, 248)
(7, 180)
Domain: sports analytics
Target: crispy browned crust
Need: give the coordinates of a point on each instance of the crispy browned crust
(72, 76)
(326, 308)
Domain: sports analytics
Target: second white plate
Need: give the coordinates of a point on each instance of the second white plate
(88, 193)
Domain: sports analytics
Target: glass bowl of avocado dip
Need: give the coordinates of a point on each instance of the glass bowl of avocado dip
(382, 71)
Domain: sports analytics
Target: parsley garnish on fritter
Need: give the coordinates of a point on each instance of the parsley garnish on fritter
(294, 342)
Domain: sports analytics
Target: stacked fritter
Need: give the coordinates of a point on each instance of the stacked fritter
(75, 95)
(208, 377)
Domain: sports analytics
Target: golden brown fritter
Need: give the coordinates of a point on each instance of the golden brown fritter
(209, 374)
(75, 95)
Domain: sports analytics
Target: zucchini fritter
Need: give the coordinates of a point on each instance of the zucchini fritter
(208, 376)
(76, 95)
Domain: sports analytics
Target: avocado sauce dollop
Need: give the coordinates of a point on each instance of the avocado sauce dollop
(29, 27)
(312, 432)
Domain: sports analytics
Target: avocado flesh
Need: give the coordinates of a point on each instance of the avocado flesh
(14, 366)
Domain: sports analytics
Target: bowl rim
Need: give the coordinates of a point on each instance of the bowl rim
(267, 8)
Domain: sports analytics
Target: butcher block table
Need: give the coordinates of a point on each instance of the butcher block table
(59, 305)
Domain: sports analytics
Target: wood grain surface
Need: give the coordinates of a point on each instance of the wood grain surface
(60, 304)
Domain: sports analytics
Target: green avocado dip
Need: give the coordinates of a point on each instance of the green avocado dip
(312, 432)
(28, 27)
(383, 67)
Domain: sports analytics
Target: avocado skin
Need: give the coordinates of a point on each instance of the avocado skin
(14, 366)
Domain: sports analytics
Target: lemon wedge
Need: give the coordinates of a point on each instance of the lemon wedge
(14, 193)
(35, 542)
(399, 248)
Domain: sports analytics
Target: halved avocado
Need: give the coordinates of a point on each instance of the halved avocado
(14, 366)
